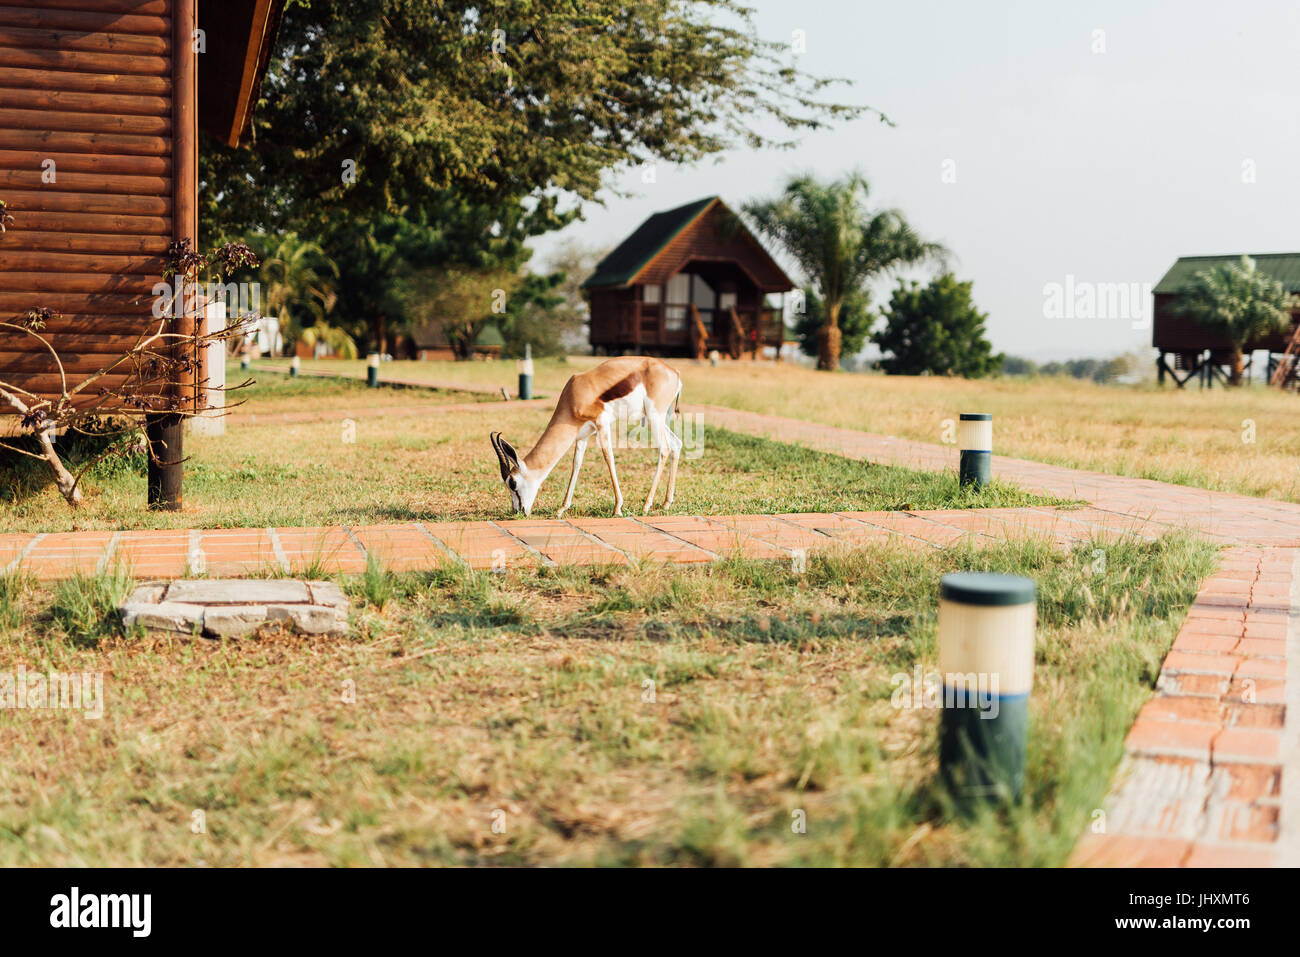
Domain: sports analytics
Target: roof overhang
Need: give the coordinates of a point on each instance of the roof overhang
(240, 36)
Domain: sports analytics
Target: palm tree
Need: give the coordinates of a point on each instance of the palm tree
(335, 339)
(838, 243)
(298, 279)
(1240, 303)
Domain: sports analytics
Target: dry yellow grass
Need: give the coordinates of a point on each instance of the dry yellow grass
(640, 715)
(1228, 440)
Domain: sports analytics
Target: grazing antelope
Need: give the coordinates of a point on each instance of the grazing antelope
(627, 388)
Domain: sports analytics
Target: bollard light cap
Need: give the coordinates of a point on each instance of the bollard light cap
(987, 588)
(976, 417)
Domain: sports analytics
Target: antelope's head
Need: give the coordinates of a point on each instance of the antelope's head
(522, 486)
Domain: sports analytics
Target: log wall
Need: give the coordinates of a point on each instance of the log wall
(1172, 332)
(90, 85)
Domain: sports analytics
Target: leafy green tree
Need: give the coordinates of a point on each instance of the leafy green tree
(298, 281)
(537, 314)
(461, 301)
(426, 135)
(936, 329)
(374, 257)
(375, 106)
(838, 243)
(576, 260)
(1098, 370)
(855, 322)
(339, 342)
(1018, 366)
(1239, 303)
(387, 262)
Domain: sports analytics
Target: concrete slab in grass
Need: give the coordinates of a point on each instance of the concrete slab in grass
(163, 616)
(230, 608)
(239, 591)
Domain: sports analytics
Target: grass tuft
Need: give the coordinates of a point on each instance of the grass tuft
(85, 605)
(377, 584)
(14, 587)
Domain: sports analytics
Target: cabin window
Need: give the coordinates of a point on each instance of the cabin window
(726, 300)
(678, 296)
(650, 294)
(702, 294)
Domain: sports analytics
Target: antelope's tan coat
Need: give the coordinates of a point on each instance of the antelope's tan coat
(631, 386)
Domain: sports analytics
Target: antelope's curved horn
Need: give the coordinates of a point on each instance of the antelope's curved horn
(501, 456)
(511, 455)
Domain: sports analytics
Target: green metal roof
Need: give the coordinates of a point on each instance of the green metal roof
(649, 239)
(1284, 267)
(489, 335)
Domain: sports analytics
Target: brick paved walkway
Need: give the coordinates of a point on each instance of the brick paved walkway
(1210, 757)
(1211, 766)
(483, 544)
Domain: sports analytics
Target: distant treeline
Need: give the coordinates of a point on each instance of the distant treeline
(1098, 370)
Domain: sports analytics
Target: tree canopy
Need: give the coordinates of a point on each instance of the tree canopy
(415, 135)
(379, 105)
(838, 243)
(1239, 303)
(937, 329)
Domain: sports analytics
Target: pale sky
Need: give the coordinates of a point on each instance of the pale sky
(1105, 166)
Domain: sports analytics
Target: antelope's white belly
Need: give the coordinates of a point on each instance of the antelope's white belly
(628, 408)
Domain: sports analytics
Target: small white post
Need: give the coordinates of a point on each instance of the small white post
(213, 420)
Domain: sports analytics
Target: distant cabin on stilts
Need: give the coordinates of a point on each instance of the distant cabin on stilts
(688, 281)
(1189, 351)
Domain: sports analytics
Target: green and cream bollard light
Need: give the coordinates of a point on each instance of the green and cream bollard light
(986, 660)
(526, 373)
(975, 439)
(372, 370)
(295, 365)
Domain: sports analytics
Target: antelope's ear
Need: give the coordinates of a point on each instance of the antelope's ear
(501, 456)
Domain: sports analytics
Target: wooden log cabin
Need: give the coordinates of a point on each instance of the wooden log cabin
(101, 103)
(1189, 351)
(686, 282)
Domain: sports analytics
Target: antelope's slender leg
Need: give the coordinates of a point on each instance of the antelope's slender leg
(674, 453)
(656, 422)
(607, 447)
(579, 449)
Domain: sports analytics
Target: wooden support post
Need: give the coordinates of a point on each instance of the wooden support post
(780, 328)
(699, 335)
(165, 433)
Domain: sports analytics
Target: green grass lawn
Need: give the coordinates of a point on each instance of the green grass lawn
(286, 461)
(642, 715)
(1235, 440)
